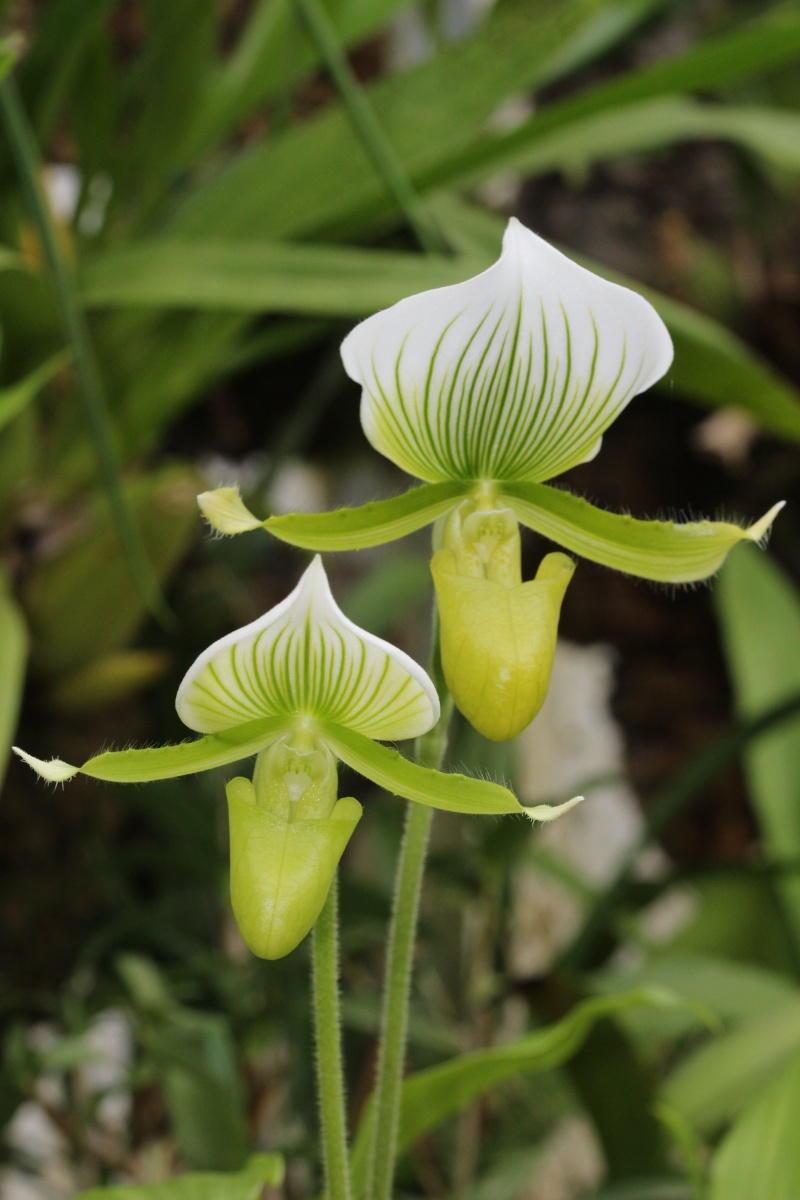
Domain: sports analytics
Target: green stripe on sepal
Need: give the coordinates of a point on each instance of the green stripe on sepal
(514, 374)
(167, 762)
(390, 770)
(371, 524)
(305, 659)
(665, 551)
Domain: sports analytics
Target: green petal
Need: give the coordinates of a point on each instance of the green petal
(369, 525)
(666, 551)
(514, 374)
(390, 770)
(166, 762)
(304, 659)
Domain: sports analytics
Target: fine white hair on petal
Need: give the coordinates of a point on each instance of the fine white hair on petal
(305, 658)
(512, 375)
(54, 770)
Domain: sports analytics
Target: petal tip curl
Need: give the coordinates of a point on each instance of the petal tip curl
(760, 530)
(54, 771)
(550, 812)
(226, 512)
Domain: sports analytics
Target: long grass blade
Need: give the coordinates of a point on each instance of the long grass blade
(367, 127)
(26, 157)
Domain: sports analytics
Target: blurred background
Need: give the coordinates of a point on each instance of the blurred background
(190, 177)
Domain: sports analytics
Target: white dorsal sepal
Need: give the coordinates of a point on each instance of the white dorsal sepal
(305, 658)
(513, 375)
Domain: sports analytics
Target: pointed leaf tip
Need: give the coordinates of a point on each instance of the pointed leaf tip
(550, 812)
(55, 771)
(759, 531)
(226, 512)
(665, 551)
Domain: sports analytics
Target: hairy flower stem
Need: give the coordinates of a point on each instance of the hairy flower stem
(430, 752)
(330, 1076)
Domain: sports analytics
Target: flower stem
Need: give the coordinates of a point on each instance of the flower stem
(430, 752)
(330, 1076)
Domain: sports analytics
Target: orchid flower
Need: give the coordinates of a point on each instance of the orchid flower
(486, 390)
(299, 688)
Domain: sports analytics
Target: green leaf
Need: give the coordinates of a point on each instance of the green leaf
(390, 770)
(270, 56)
(106, 680)
(612, 109)
(738, 915)
(429, 1097)
(367, 127)
(770, 134)
(94, 116)
(65, 32)
(171, 75)
(247, 1184)
(732, 991)
(435, 117)
(256, 277)
(759, 1156)
(10, 49)
(166, 762)
(318, 175)
(25, 155)
(759, 612)
(711, 364)
(80, 602)
(196, 1060)
(371, 524)
(715, 1082)
(13, 656)
(667, 551)
(162, 365)
(714, 367)
(17, 396)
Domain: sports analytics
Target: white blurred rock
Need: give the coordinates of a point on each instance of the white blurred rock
(729, 435)
(110, 1039)
(16, 1185)
(244, 473)
(572, 1163)
(573, 741)
(298, 487)
(34, 1135)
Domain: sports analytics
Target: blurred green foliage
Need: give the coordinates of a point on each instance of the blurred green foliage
(219, 219)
